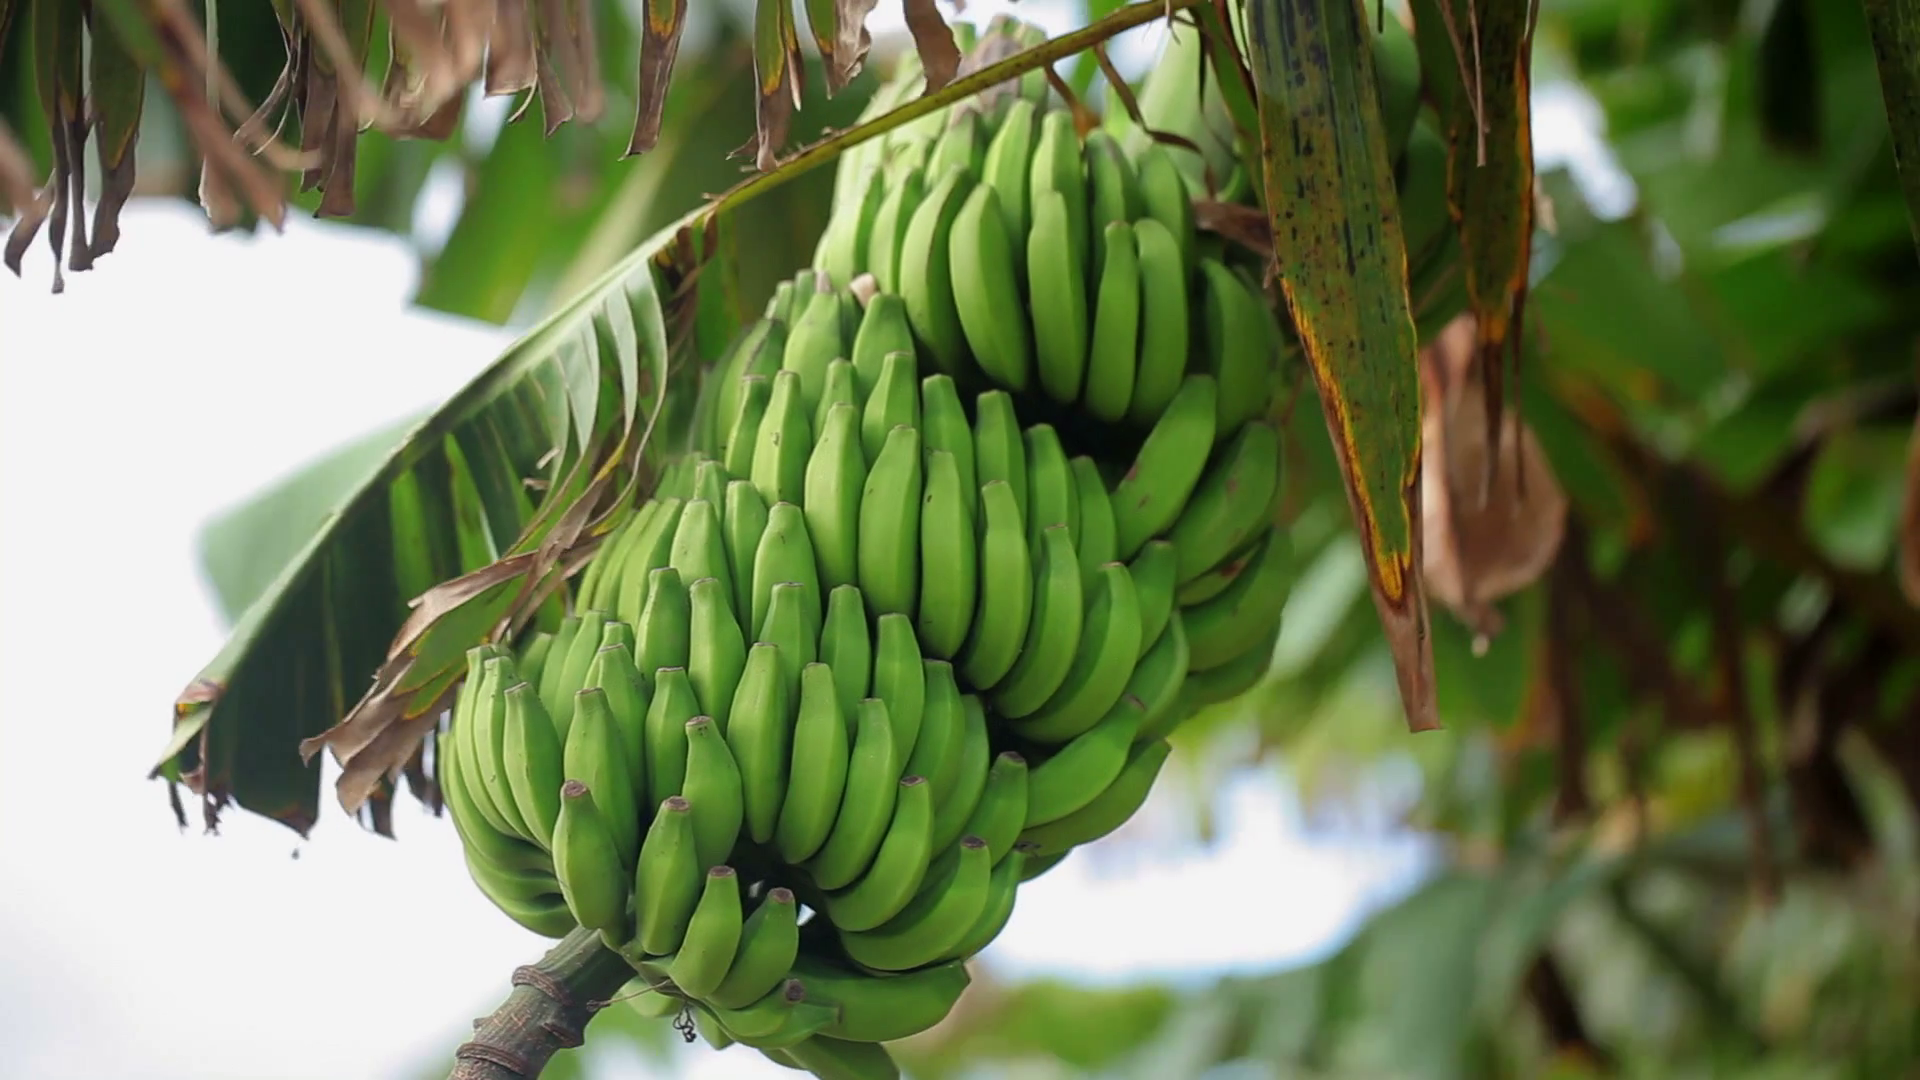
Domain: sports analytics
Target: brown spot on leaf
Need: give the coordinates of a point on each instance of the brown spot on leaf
(933, 39)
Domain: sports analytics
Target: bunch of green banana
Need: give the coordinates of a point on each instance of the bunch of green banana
(983, 509)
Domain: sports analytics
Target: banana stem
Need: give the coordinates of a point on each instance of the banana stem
(547, 1011)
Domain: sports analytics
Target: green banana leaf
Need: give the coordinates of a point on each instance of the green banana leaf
(451, 525)
(1895, 25)
(1341, 258)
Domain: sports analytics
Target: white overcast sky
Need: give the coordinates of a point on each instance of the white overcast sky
(183, 374)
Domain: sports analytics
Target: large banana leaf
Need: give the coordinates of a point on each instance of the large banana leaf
(470, 520)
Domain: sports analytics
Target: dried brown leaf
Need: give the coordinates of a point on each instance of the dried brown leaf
(659, 45)
(510, 63)
(1478, 552)
(851, 40)
(933, 39)
(16, 174)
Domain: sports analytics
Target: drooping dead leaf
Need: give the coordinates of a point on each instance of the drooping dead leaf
(659, 44)
(933, 39)
(1478, 552)
(16, 174)
(851, 40)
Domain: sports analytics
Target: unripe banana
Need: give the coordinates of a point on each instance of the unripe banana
(882, 1010)
(700, 547)
(784, 442)
(841, 1059)
(898, 867)
(1078, 772)
(719, 650)
(715, 790)
(745, 521)
(760, 736)
(573, 672)
(674, 703)
(786, 556)
(884, 330)
(841, 388)
(925, 277)
(889, 542)
(817, 779)
(1002, 809)
(709, 483)
(1242, 346)
(756, 355)
(895, 402)
(949, 587)
(1109, 646)
(546, 680)
(1052, 494)
(595, 754)
(743, 434)
(1095, 540)
(1000, 447)
(1159, 678)
(530, 898)
(1246, 614)
(814, 342)
(1056, 168)
(667, 881)
(899, 680)
(842, 254)
(1215, 581)
(836, 475)
(1164, 198)
(1113, 193)
(986, 290)
(535, 653)
(998, 911)
(1151, 495)
(531, 755)
(769, 943)
(867, 808)
(942, 733)
(479, 726)
(789, 629)
(1154, 571)
(1053, 634)
(652, 550)
(944, 426)
(713, 935)
(662, 636)
(614, 633)
(956, 807)
(846, 646)
(1113, 353)
(1005, 168)
(1057, 293)
(779, 1020)
(780, 305)
(481, 840)
(1164, 322)
(959, 145)
(935, 921)
(587, 862)
(1228, 509)
(1108, 810)
(1005, 581)
(906, 191)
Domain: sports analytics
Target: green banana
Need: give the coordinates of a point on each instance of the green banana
(573, 672)
(482, 841)
(709, 483)
(588, 863)
(546, 680)
(836, 475)
(614, 674)
(986, 290)
(1094, 539)
(781, 1019)
(842, 1059)
(1246, 613)
(998, 910)
(867, 807)
(700, 547)
(1108, 810)
(1242, 346)
(1154, 571)
(1164, 322)
(884, 330)
(817, 779)
(898, 867)
(1005, 583)
(661, 637)
(786, 557)
(769, 944)
(793, 631)
(882, 1010)
(1006, 164)
(595, 754)
(1215, 581)
(841, 388)
(653, 549)
(944, 427)
(846, 646)
(948, 583)
(479, 729)
(1165, 199)
(530, 898)
(1000, 447)
(814, 342)
(1002, 810)
(1159, 678)
(756, 355)
(1149, 498)
(889, 540)
(899, 680)
(895, 402)
(1056, 169)
(1113, 353)
(760, 737)
(714, 788)
(935, 921)
(531, 757)
(956, 806)
(925, 276)
(1052, 493)
(1229, 507)
(1053, 633)
(667, 882)
(938, 743)
(1057, 287)
(718, 652)
(713, 935)
(959, 145)
(906, 192)
(785, 439)
(674, 703)
(1112, 190)
(1109, 646)
(744, 433)
(1079, 771)
(745, 522)
(842, 254)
